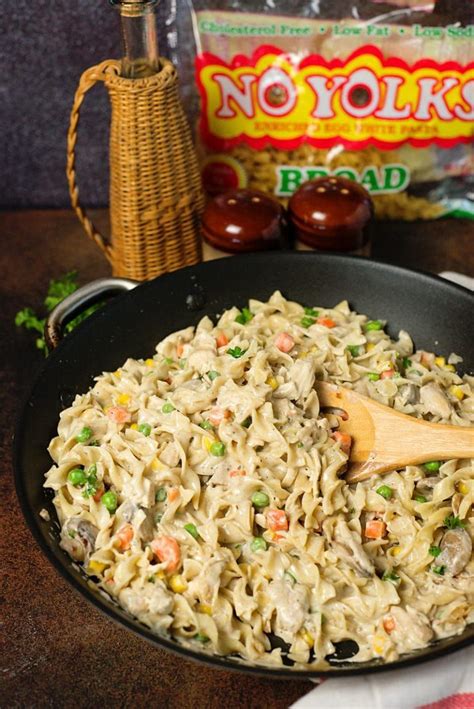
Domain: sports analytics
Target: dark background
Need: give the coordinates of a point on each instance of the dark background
(45, 45)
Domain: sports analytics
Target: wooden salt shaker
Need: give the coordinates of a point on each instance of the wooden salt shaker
(331, 214)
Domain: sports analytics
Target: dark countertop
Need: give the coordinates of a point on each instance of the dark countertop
(56, 649)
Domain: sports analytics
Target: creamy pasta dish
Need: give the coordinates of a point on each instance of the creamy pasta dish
(204, 490)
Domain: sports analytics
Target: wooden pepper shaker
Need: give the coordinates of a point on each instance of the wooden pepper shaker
(332, 214)
(244, 220)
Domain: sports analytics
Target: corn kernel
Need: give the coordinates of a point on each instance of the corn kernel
(450, 367)
(149, 362)
(177, 583)
(379, 644)
(95, 567)
(456, 391)
(157, 465)
(134, 426)
(462, 488)
(369, 346)
(160, 574)
(440, 361)
(308, 638)
(396, 551)
(301, 355)
(271, 381)
(207, 443)
(117, 373)
(204, 608)
(123, 399)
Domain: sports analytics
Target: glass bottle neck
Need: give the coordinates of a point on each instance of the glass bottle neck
(139, 37)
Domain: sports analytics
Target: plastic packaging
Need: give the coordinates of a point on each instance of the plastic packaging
(382, 93)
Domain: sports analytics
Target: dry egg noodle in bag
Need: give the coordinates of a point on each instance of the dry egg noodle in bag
(386, 99)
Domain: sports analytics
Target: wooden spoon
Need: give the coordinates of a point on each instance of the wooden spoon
(384, 439)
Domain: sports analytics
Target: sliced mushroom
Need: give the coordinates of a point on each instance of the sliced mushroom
(350, 550)
(409, 394)
(78, 538)
(434, 401)
(456, 550)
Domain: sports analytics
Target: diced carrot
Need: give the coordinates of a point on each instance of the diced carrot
(327, 322)
(284, 342)
(118, 414)
(124, 537)
(387, 374)
(237, 474)
(167, 550)
(277, 537)
(218, 414)
(96, 497)
(173, 494)
(277, 520)
(222, 340)
(375, 529)
(427, 359)
(179, 349)
(388, 624)
(344, 440)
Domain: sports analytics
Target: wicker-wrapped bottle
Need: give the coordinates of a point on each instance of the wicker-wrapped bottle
(155, 187)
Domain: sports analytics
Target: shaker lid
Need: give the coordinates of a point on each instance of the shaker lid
(328, 208)
(244, 220)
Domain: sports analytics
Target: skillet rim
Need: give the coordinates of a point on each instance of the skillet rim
(119, 616)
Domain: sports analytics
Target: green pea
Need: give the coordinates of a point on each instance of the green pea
(109, 500)
(144, 428)
(167, 408)
(217, 449)
(77, 477)
(213, 375)
(161, 494)
(84, 435)
(433, 466)
(306, 321)
(373, 325)
(192, 530)
(385, 491)
(169, 361)
(353, 349)
(260, 499)
(420, 498)
(311, 312)
(258, 544)
(373, 376)
(206, 425)
(434, 551)
(200, 637)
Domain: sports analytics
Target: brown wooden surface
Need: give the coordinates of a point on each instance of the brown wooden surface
(56, 650)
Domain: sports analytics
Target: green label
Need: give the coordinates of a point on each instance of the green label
(388, 179)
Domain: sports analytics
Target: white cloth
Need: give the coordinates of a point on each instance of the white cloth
(447, 683)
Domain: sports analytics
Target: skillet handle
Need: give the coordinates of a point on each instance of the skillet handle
(78, 301)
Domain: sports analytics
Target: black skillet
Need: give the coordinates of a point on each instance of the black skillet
(438, 314)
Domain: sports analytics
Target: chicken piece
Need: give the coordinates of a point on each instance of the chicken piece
(456, 550)
(412, 629)
(206, 585)
(434, 401)
(78, 538)
(348, 547)
(170, 455)
(291, 604)
(153, 598)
